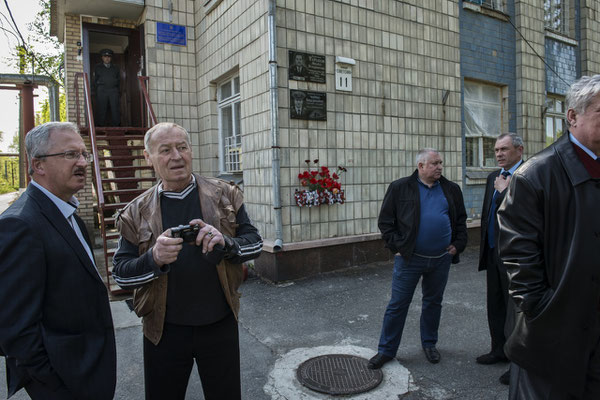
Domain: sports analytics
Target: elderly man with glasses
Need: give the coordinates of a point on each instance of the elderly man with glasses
(56, 329)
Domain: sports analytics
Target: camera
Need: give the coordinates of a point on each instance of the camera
(187, 232)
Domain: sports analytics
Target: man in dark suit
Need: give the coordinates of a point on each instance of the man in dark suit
(509, 152)
(298, 70)
(106, 82)
(56, 329)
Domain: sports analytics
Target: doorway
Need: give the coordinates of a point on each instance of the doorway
(127, 46)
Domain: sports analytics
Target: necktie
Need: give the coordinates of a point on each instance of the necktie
(492, 218)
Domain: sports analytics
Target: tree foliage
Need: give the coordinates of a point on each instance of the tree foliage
(41, 54)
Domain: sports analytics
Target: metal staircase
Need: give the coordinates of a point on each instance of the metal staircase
(120, 172)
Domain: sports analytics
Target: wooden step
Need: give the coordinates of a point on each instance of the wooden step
(127, 168)
(115, 137)
(134, 157)
(126, 180)
(122, 147)
(123, 192)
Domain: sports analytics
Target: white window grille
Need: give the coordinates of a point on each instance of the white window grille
(556, 15)
(229, 104)
(483, 110)
(493, 4)
(555, 122)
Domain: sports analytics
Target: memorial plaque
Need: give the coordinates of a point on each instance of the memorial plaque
(170, 34)
(308, 105)
(306, 67)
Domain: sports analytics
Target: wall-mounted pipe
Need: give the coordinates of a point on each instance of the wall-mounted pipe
(274, 104)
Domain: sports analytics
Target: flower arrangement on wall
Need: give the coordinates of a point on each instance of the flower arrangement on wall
(322, 186)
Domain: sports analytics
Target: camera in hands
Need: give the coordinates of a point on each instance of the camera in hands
(187, 232)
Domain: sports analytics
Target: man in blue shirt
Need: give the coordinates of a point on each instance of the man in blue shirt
(509, 151)
(423, 222)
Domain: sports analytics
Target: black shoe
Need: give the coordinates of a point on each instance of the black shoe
(433, 356)
(491, 358)
(378, 360)
(505, 378)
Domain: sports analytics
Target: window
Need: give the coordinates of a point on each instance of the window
(556, 16)
(555, 123)
(483, 122)
(493, 4)
(228, 97)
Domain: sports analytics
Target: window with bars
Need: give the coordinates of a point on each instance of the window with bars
(493, 4)
(484, 114)
(228, 97)
(556, 16)
(555, 118)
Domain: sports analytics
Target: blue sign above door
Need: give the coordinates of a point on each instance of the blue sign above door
(170, 34)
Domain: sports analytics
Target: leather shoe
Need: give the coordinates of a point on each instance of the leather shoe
(505, 378)
(491, 358)
(432, 354)
(378, 360)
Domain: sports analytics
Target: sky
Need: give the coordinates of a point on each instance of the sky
(24, 11)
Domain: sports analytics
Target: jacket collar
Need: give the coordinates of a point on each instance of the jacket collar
(62, 226)
(571, 163)
(209, 197)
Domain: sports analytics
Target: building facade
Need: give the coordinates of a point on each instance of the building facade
(379, 80)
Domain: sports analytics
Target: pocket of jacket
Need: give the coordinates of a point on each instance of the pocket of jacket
(143, 300)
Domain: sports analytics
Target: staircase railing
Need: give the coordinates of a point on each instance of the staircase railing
(145, 99)
(92, 130)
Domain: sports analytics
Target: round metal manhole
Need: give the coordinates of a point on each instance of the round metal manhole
(338, 374)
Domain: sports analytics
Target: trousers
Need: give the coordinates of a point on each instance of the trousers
(407, 273)
(214, 348)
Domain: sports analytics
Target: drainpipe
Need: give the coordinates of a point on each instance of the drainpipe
(274, 104)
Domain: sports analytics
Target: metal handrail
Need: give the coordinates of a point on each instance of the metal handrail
(146, 99)
(92, 129)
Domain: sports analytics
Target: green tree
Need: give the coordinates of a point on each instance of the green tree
(41, 53)
(43, 115)
(14, 145)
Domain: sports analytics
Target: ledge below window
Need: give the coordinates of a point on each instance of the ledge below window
(485, 11)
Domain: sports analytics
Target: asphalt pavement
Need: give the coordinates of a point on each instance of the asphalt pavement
(339, 310)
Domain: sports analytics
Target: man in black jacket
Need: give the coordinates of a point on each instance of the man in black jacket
(423, 222)
(105, 83)
(549, 240)
(509, 151)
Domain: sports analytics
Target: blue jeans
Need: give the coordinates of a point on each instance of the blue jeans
(406, 276)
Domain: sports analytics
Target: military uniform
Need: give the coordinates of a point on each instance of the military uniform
(106, 81)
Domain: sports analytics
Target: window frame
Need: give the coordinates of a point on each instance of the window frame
(551, 113)
(564, 28)
(480, 139)
(232, 102)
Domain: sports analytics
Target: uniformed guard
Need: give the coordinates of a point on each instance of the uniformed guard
(105, 83)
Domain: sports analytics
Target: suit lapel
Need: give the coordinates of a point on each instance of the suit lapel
(62, 226)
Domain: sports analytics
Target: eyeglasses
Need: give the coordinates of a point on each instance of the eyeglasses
(70, 155)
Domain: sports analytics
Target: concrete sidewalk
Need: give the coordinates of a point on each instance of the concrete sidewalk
(342, 310)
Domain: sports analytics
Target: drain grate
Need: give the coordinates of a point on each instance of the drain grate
(338, 374)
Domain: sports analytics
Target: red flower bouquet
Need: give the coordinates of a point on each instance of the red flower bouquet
(323, 187)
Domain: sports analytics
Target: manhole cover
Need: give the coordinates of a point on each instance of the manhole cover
(338, 374)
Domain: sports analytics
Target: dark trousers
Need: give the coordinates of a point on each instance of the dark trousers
(526, 385)
(105, 99)
(497, 300)
(215, 348)
(434, 272)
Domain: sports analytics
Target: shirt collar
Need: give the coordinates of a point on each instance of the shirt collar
(178, 195)
(582, 147)
(426, 185)
(513, 168)
(66, 208)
